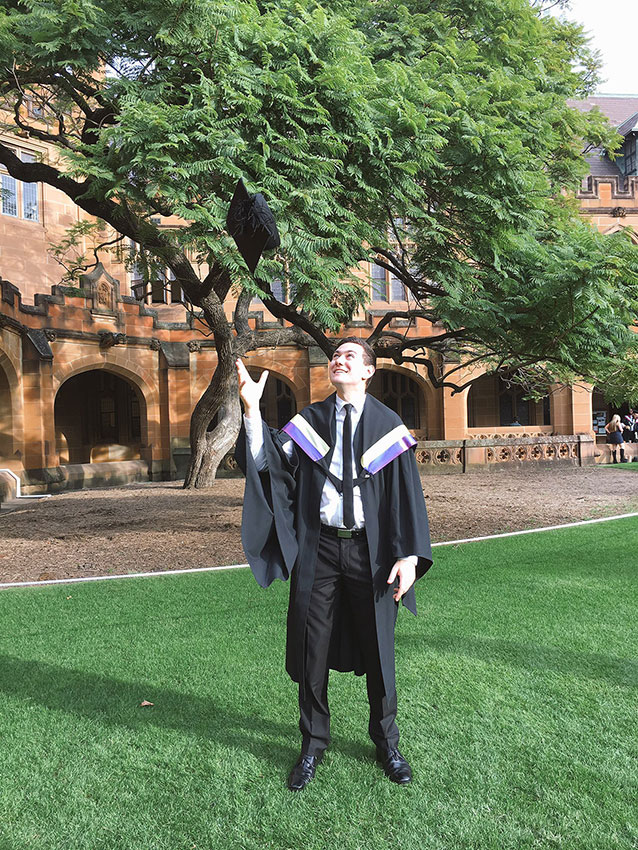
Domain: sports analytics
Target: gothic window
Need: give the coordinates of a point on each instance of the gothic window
(30, 210)
(379, 285)
(278, 404)
(278, 289)
(493, 402)
(18, 199)
(397, 289)
(177, 296)
(9, 196)
(158, 287)
(400, 393)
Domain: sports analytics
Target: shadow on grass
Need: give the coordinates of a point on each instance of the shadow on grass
(115, 702)
(586, 665)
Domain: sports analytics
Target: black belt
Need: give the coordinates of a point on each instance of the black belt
(346, 533)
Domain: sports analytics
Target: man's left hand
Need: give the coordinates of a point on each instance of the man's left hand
(406, 573)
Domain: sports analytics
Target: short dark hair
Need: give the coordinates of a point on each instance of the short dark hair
(369, 357)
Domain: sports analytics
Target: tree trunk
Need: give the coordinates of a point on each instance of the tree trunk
(222, 398)
(209, 447)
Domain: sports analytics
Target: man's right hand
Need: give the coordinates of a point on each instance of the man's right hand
(250, 391)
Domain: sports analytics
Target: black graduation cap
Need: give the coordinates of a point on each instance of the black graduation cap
(252, 225)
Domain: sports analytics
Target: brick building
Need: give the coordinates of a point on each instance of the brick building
(97, 385)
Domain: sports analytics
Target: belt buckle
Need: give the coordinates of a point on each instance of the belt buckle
(344, 532)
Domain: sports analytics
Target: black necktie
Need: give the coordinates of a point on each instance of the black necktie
(346, 476)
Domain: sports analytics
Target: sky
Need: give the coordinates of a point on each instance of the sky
(613, 25)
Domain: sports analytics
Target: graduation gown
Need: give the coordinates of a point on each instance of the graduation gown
(281, 526)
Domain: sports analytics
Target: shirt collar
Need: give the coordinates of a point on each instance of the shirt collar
(356, 406)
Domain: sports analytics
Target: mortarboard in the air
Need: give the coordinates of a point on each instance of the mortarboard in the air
(252, 225)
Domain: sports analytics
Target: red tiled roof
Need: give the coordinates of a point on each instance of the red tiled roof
(617, 107)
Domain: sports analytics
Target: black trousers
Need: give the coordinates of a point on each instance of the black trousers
(342, 577)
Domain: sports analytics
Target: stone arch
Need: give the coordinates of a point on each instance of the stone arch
(617, 228)
(279, 402)
(10, 410)
(296, 375)
(492, 404)
(142, 384)
(423, 395)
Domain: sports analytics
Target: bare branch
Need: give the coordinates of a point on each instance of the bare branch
(56, 138)
(240, 316)
(301, 320)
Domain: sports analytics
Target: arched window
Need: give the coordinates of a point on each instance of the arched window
(495, 402)
(400, 393)
(98, 417)
(278, 404)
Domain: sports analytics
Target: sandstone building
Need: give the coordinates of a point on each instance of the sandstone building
(97, 382)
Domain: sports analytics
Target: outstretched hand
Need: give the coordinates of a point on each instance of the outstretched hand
(250, 391)
(406, 572)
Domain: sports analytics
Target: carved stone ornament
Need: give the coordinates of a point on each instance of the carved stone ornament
(619, 212)
(443, 456)
(155, 344)
(109, 339)
(194, 346)
(105, 289)
(105, 294)
(50, 335)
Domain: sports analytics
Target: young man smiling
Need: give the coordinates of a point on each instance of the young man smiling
(334, 501)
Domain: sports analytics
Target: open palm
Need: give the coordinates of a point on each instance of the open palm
(250, 391)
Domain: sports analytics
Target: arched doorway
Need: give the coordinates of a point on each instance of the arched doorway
(6, 418)
(278, 403)
(602, 411)
(99, 417)
(400, 393)
(493, 402)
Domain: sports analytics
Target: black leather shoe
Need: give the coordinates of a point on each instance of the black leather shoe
(395, 766)
(303, 771)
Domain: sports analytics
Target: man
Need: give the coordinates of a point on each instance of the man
(334, 500)
(630, 425)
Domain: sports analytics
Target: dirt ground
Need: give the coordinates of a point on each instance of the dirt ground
(159, 526)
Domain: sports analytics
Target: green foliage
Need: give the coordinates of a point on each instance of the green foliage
(70, 251)
(452, 116)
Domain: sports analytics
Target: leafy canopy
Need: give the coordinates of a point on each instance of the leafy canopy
(435, 136)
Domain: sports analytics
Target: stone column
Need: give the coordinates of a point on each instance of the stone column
(454, 415)
(39, 401)
(571, 409)
(175, 404)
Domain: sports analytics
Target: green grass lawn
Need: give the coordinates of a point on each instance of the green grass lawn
(629, 465)
(517, 705)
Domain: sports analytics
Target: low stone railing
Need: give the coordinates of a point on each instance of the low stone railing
(492, 452)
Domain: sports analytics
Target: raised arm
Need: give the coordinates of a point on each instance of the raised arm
(250, 391)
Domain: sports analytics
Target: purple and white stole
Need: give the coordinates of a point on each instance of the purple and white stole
(380, 454)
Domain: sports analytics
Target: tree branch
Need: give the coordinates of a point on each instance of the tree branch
(55, 138)
(301, 320)
(118, 215)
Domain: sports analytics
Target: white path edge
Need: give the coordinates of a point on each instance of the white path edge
(243, 566)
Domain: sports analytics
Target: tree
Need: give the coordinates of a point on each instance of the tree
(438, 141)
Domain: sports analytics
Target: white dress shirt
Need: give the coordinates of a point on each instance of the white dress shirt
(331, 507)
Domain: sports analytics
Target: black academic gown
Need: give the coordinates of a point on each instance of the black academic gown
(281, 525)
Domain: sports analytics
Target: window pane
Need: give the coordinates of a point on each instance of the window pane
(29, 194)
(379, 290)
(30, 201)
(158, 288)
(9, 195)
(397, 290)
(278, 292)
